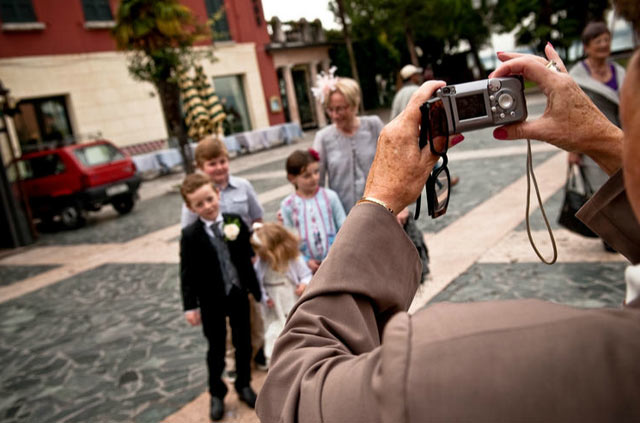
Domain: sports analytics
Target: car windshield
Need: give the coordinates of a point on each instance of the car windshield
(98, 154)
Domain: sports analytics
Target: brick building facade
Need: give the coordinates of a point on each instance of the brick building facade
(60, 62)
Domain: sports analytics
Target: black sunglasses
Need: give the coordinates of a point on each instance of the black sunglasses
(434, 131)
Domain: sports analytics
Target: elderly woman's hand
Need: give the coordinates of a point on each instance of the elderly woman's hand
(400, 168)
(570, 121)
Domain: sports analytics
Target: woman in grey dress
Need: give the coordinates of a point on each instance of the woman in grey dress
(348, 145)
(347, 148)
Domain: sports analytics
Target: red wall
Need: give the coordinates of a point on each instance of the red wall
(244, 28)
(65, 34)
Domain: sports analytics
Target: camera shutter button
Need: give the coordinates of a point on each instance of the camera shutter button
(494, 85)
(505, 101)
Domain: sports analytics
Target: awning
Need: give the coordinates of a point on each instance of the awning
(202, 108)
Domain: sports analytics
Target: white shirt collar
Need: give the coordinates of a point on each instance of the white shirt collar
(231, 183)
(208, 223)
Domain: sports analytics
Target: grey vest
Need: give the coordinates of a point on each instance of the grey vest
(229, 272)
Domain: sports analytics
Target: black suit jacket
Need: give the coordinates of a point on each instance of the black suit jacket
(200, 274)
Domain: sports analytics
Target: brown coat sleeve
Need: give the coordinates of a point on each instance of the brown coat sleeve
(326, 364)
(519, 361)
(609, 214)
(492, 361)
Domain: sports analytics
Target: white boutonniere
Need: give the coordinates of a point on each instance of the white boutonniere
(231, 231)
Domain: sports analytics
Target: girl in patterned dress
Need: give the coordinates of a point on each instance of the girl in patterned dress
(316, 213)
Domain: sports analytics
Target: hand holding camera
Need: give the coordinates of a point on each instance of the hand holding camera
(468, 106)
(570, 118)
(474, 105)
(400, 167)
(459, 108)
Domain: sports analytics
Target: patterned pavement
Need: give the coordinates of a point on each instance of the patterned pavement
(90, 322)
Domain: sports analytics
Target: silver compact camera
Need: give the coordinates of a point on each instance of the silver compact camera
(477, 104)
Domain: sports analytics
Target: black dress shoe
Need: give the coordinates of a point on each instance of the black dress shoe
(247, 396)
(216, 411)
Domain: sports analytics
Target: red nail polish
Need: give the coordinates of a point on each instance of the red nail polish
(500, 134)
(500, 52)
(456, 140)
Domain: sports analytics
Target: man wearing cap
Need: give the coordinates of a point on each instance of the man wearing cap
(411, 80)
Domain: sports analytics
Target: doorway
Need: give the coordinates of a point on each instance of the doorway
(306, 104)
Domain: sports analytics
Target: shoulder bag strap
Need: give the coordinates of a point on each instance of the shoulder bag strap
(588, 189)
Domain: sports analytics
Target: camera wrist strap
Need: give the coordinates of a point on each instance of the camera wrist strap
(423, 141)
(531, 175)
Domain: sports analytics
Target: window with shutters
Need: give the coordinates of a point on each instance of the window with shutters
(97, 10)
(17, 11)
(216, 11)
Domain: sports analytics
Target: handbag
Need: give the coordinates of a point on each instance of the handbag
(574, 199)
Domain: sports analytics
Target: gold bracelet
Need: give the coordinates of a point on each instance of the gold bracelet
(375, 201)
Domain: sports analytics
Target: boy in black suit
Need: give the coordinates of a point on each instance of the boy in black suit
(215, 274)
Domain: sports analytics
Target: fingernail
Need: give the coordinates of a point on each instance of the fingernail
(550, 45)
(456, 140)
(500, 134)
(500, 52)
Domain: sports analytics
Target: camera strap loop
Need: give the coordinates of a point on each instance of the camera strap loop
(423, 141)
(416, 215)
(531, 175)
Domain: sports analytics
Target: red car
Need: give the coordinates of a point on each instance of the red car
(67, 181)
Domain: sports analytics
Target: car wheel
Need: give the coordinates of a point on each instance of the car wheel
(71, 217)
(123, 204)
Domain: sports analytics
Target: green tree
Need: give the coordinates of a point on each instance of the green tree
(373, 44)
(540, 21)
(373, 55)
(398, 29)
(395, 21)
(347, 39)
(160, 35)
(468, 22)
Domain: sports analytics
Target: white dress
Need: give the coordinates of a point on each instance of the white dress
(279, 287)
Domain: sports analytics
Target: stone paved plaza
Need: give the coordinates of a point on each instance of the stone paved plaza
(91, 326)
